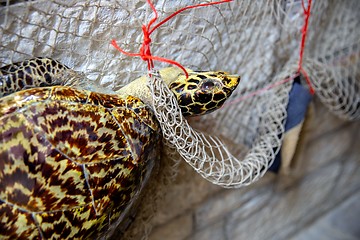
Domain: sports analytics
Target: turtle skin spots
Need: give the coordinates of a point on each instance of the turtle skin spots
(38, 72)
(71, 161)
(203, 92)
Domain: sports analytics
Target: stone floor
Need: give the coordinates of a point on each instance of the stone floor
(341, 223)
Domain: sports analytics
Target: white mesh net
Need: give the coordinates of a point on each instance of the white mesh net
(207, 154)
(259, 40)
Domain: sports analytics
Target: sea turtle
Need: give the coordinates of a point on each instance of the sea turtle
(72, 160)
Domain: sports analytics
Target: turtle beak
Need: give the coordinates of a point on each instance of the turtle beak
(232, 81)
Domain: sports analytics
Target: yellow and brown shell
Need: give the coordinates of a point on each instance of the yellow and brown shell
(71, 161)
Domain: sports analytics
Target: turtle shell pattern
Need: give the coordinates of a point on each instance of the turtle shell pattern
(71, 161)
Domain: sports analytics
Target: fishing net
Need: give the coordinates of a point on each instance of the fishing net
(262, 41)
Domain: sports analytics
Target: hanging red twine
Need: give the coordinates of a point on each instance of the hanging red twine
(145, 52)
(302, 46)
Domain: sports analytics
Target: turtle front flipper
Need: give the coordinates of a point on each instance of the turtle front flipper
(36, 72)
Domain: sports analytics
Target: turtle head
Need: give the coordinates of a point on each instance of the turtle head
(200, 93)
(203, 92)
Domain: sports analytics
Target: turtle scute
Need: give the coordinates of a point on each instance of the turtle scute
(71, 161)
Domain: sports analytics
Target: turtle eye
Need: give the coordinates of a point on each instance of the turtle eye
(208, 85)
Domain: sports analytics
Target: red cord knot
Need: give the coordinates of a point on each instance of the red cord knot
(145, 51)
(147, 39)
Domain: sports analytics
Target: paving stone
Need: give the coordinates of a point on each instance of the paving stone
(289, 211)
(327, 147)
(178, 229)
(226, 201)
(215, 232)
(342, 223)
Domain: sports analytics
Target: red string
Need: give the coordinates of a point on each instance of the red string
(302, 46)
(262, 90)
(300, 68)
(145, 52)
